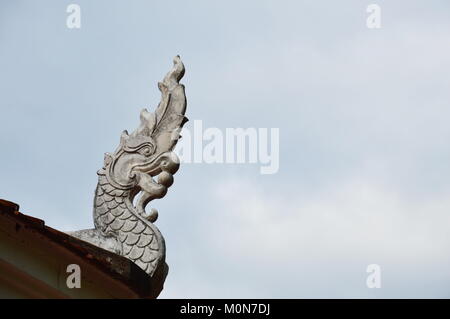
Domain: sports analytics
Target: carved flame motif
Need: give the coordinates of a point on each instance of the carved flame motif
(126, 182)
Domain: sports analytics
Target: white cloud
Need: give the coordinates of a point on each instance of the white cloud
(319, 246)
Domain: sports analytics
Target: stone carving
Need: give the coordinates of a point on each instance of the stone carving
(126, 181)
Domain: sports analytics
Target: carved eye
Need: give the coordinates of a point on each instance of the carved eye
(145, 150)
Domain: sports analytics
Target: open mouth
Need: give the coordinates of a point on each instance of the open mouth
(167, 162)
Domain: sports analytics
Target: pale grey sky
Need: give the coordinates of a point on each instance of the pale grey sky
(364, 136)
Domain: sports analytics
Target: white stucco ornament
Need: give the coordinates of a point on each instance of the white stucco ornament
(140, 170)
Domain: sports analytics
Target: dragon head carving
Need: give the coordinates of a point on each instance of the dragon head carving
(140, 169)
(147, 152)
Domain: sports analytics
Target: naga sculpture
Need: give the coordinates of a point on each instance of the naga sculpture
(126, 182)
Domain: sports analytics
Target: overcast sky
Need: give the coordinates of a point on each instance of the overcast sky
(363, 115)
